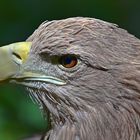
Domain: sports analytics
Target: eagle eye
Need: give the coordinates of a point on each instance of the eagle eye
(68, 61)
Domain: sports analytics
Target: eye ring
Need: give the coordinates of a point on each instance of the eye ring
(68, 61)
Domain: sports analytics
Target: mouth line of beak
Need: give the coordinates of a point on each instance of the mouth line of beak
(12, 56)
(33, 77)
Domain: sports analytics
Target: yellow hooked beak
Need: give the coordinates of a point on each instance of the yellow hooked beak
(12, 57)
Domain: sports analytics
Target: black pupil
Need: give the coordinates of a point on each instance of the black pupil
(68, 60)
(65, 60)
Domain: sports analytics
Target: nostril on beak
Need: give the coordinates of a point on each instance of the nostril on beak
(17, 55)
(17, 58)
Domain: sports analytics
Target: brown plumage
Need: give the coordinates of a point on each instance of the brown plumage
(100, 99)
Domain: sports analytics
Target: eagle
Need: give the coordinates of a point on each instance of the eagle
(84, 74)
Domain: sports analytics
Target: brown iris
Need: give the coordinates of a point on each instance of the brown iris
(68, 61)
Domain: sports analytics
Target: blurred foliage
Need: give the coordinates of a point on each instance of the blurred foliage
(19, 117)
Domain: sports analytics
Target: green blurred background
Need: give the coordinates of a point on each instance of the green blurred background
(19, 117)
